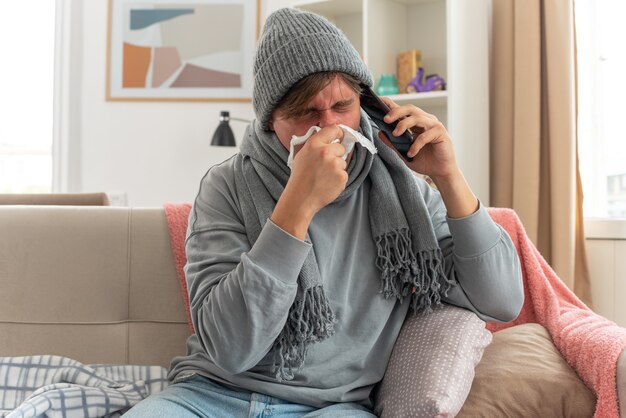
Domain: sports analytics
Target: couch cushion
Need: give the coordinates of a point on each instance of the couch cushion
(62, 264)
(86, 343)
(154, 291)
(96, 284)
(522, 374)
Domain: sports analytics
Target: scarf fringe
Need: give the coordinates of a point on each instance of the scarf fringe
(405, 273)
(310, 320)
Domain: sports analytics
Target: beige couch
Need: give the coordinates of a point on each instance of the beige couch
(57, 199)
(97, 284)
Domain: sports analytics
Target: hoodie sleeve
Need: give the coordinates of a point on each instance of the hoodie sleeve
(480, 256)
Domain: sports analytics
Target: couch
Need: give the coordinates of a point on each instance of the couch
(99, 285)
(56, 199)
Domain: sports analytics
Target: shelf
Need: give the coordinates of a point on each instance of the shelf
(431, 98)
(413, 2)
(330, 8)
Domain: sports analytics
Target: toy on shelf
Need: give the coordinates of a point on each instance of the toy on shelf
(432, 82)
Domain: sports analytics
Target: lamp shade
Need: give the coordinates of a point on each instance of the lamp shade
(223, 135)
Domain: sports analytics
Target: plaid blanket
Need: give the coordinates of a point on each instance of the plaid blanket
(53, 386)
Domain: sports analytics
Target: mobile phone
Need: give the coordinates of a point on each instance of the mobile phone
(376, 110)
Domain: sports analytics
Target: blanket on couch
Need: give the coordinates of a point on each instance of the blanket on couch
(590, 343)
(54, 386)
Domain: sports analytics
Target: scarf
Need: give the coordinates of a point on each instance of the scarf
(408, 255)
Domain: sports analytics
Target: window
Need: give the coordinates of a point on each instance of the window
(26, 102)
(600, 33)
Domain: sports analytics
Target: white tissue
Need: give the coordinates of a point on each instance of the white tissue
(350, 137)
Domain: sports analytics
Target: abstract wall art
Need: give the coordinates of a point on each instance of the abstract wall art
(194, 50)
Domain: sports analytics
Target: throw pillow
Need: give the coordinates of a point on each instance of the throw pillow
(431, 368)
(522, 374)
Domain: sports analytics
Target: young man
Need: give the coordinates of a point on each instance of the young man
(300, 279)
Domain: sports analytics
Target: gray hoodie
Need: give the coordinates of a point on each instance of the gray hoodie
(240, 294)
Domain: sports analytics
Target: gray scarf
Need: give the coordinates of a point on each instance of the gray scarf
(408, 255)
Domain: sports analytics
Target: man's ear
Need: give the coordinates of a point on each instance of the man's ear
(270, 124)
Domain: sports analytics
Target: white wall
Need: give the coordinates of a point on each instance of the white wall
(154, 152)
(606, 255)
(607, 270)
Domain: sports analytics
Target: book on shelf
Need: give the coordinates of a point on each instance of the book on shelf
(408, 63)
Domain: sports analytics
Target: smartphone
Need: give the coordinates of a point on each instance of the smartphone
(376, 110)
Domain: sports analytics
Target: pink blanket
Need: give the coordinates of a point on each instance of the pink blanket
(177, 216)
(590, 343)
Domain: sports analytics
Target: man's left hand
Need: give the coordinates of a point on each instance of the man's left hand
(433, 155)
(432, 149)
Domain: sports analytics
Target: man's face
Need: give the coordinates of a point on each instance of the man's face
(336, 104)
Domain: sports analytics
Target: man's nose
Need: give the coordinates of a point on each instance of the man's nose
(327, 118)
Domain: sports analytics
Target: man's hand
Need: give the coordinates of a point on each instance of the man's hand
(318, 176)
(432, 149)
(433, 155)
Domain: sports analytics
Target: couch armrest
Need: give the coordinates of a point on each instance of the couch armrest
(621, 384)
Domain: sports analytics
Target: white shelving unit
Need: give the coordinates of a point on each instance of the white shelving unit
(428, 100)
(453, 36)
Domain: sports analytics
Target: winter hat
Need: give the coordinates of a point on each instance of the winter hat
(293, 45)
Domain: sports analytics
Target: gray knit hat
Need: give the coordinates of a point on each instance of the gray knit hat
(293, 45)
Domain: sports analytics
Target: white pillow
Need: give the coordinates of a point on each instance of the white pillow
(431, 368)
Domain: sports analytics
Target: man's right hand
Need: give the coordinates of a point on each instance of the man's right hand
(318, 176)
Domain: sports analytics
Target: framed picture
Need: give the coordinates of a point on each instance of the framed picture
(191, 50)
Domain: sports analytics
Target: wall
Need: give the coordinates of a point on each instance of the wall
(153, 152)
(607, 268)
(606, 255)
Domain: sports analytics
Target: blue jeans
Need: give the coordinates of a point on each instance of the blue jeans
(202, 397)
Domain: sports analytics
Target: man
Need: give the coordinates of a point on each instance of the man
(300, 279)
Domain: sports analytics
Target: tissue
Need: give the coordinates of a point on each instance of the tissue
(350, 137)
